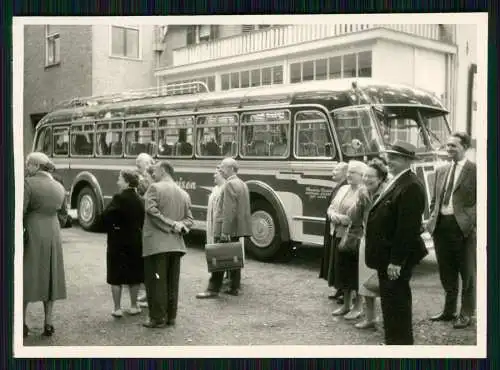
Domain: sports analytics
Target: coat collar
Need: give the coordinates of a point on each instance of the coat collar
(390, 187)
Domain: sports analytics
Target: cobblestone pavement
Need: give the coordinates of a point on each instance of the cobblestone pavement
(281, 303)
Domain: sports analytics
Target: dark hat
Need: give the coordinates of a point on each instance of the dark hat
(402, 148)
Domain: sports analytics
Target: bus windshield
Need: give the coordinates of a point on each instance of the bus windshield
(425, 129)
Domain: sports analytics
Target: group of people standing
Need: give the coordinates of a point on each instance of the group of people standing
(373, 237)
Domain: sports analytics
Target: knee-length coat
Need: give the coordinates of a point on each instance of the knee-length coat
(43, 265)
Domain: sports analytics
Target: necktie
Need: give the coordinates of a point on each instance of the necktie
(449, 188)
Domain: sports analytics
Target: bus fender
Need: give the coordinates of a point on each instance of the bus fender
(86, 179)
(266, 192)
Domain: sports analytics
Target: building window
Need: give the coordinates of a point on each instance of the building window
(344, 66)
(125, 42)
(256, 77)
(52, 46)
(201, 33)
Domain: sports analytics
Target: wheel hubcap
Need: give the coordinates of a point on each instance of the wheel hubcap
(263, 229)
(86, 208)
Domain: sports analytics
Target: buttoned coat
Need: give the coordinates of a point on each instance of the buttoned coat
(43, 265)
(233, 215)
(394, 225)
(464, 197)
(165, 202)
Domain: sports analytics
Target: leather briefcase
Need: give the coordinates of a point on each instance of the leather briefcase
(224, 256)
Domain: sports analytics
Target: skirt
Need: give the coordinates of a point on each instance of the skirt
(346, 268)
(364, 272)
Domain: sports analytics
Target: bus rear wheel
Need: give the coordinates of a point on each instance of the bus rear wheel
(265, 244)
(88, 209)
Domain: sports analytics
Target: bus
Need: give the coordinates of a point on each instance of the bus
(284, 137)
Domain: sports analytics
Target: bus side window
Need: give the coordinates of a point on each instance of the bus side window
(44, 141)
(61, 141)
(313, 138)
(140, 137)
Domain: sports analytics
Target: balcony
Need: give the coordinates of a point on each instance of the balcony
(281, 36)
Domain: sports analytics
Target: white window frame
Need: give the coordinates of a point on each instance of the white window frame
(250, 68)
(341, 54)
(52, 36)
(136, 28)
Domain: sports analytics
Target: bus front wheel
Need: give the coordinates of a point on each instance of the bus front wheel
(265, 244)
(88, 209)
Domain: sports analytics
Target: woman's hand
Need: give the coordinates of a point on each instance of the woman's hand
(340, 218)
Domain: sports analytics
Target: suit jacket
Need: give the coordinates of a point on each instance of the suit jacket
(232, 216)
(464, 197)
(165, 203)
(394, 224)
(123, 220)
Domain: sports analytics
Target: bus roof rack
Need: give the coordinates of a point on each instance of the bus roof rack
(185, 88)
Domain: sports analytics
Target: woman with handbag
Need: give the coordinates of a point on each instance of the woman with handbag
(346, 214)
(374, 178)
(123, 219)
(43, 265)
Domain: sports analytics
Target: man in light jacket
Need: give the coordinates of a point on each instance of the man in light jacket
(168, 217)
(232, 221)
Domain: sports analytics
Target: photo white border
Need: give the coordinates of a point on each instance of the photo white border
(418, 351)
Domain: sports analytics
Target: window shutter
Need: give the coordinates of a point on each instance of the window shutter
(247, 28)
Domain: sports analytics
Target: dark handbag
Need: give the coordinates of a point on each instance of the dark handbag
(224, 256)
(372, 284)
(349, 242)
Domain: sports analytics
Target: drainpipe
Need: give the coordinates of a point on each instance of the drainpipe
(470, 88)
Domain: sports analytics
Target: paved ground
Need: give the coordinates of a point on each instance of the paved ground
(282, 304)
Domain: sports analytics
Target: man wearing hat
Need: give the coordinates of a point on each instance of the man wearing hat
(393, 241)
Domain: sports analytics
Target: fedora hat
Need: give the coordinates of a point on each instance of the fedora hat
(403, 149)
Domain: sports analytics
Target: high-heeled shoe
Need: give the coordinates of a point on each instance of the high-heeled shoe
(26, 331)
(365, 324)
(48, 331)
(341, 311)
(353, 315)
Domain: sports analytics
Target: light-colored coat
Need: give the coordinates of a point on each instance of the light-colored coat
(165, 202)
(213, 202)
(464, 197)
(43, 266)
(233, 212)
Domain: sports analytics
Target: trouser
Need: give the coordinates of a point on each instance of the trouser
(456, 255)
(161, 278)
(216, 278)
(396, 302)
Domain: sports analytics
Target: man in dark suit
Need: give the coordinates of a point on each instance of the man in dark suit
(453, 227)
(232, 222)
(394, 244)
(168, 217)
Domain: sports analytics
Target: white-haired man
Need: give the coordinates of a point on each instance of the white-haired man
(232, 221)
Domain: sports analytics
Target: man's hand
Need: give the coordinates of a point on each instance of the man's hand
(178, 227)
(393, 271)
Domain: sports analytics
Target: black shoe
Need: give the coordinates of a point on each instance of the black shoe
(48, 331)
(26, 331)
(151, 324)
(462, 321)
(207, 294)
(443, 316)
(171, 322)
(234, 292)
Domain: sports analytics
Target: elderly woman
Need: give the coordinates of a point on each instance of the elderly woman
(375, 178)
(346, 214)
(43, 265)
(123, 219)
(327, 262)
(144, 163)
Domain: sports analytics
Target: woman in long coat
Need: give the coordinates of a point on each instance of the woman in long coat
(43, 265)
(375, 179)
(123, 219)
(347, 215)
(328, 261)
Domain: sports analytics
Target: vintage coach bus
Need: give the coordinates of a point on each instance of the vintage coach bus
(284, 137)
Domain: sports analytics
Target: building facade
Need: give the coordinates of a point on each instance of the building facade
(63, 62)
(434, 57)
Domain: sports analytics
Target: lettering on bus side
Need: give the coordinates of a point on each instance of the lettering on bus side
(317, 192)
(186, 185)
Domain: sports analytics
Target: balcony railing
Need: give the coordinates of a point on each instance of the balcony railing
(280, 36)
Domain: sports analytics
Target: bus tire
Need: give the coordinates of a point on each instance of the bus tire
(265, 244)
(88, 209)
